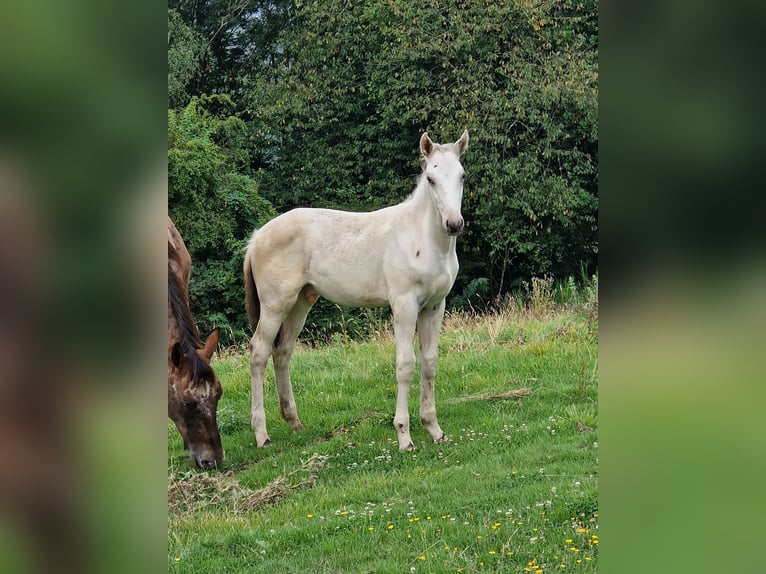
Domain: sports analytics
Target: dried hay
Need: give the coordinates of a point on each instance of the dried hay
(513, 394)
(194, 491)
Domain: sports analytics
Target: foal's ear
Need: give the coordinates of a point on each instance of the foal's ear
(462, 143)
(426, 145)
(211, 343)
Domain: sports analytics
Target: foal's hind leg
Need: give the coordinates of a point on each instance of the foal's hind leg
(260, 349)
(282, 351)
(429, 325)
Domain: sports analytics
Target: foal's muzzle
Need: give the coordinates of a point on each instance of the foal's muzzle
(455, 226)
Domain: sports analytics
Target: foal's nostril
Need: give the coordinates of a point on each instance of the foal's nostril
(455, 226)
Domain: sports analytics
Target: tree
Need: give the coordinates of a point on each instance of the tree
(240, 38)
(215, 205)
(365, 79)
(322, 103)
(187, 51)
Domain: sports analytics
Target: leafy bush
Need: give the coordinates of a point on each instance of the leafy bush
(216, 205)
(331, 99)
(366, 79)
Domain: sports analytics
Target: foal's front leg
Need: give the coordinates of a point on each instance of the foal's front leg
(429, 326)
(405, 316)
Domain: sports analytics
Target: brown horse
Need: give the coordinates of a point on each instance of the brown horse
(193, 387)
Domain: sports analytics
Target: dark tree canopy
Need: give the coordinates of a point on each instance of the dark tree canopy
(331, 97)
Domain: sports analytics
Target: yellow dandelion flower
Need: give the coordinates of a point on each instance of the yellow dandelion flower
(479, 537)
(569, 540)
(539, 571)
(309, 516)
(370, 528)
(178, 559)
(492, 552)
(421, 557)
(390, 526)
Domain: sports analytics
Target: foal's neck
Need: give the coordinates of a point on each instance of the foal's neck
(426, 212)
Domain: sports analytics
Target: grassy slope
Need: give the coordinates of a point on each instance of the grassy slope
(515, 489)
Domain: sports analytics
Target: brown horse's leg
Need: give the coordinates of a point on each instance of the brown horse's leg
(282, 351)
(405, 315)
(429, 325)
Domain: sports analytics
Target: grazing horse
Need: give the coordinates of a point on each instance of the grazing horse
(401, 256)
(193, 388)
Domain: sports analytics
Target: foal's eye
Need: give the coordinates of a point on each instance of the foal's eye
(430, 179)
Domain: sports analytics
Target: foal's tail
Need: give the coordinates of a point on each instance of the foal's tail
(252, 302)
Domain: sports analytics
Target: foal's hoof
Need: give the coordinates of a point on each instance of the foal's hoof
(408, 448)
(442, 439)
(266, 443)
(296, 425)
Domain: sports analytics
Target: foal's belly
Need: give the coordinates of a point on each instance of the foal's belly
(345, 287)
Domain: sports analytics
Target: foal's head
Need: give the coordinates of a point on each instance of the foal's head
(193, 393)
(444, 179)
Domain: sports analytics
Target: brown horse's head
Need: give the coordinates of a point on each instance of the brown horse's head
(193, 393)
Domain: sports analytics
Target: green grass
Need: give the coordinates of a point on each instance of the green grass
(515, 489)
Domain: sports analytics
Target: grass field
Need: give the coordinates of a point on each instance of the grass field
(514, 490)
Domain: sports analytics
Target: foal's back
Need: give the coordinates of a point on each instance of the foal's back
(342, 255)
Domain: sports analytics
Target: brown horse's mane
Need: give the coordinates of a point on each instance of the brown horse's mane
(189, 342)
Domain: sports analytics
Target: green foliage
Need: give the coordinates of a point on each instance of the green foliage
(332, 96)
(215, 205)
(365, 79)
(473, 296)
(241, 38)
(186, 53)
(330, 323)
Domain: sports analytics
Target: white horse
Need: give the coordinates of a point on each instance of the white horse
(401, 256)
